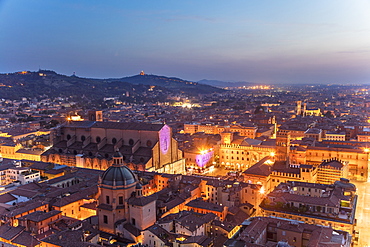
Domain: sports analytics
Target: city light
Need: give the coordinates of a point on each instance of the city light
(262, 190)
(186, 105)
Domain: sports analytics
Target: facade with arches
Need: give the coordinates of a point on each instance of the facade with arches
(237, 153)
(91, 144)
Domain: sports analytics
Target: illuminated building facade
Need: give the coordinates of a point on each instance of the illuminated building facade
(355, 154)
(198, 160)
(246, 131)
(91, 144)
(357, 159)
(270, 174)
(331, 170)
(238, 153)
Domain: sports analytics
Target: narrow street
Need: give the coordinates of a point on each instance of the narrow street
(363, 212)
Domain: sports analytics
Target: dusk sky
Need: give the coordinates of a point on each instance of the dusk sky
(293, 41)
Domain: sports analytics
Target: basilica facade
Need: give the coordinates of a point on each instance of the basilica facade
(92, 144)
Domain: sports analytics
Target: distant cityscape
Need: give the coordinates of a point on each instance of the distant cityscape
(156, 161)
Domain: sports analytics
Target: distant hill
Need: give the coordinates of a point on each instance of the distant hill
(224, 84)
(171, 83)
(46, 82)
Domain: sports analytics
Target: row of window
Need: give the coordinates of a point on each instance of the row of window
(232, 157)
(237, 152)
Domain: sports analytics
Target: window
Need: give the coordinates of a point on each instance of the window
(114, 140)
(105, 219)
(83, 138)
(133, 221)
(120, 200)
(131, 142)
(107, 199)
(98, 139)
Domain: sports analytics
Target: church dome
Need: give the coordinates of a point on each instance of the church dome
(118, 174)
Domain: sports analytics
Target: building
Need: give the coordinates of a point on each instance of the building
(239, 153)
(246, 131)
(270, 174)
(92, 145)
(331, 170)
(268, 231)
(198, 160)
(320, 204)
(356, 157)
(335, 136)
(122, 210)
(23, 175)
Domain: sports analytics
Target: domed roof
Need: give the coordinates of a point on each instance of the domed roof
(118, 174)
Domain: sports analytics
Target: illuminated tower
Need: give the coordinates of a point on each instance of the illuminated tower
(227, 137)
(299, 108)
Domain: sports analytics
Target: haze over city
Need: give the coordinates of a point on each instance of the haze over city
(255, 41)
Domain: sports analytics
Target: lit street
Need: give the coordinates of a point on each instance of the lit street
(363, 212)
(218, 171)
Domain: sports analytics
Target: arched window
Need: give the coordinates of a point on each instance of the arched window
(98, 139)
(68, 137)
(114, 140)
(83, 138)
(131, 142)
